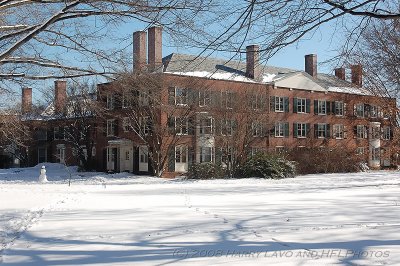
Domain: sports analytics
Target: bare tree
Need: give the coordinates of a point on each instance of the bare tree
(62, 39)
(277, 24)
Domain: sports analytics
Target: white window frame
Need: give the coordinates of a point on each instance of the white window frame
(144, 155)
(321, 130)
(339, 108)
(360, 151)
(361, 132)
(181, 126)
(144, 125)
(126, 124)
(206, 154)
(181, 154)
(373, 111)
(204, 98)
(144, 98)
(279, 104)
(181, 96)
(375, 154)
(321, 107)
(359, 110)
(302, 129)
(110, 101)
(227, 127)
(255, 150)
(110, 127)
(280, 129)
(301, 105)
(227, 99)
(386, 133)
(338, 131)
(206, 126)
(257, 129)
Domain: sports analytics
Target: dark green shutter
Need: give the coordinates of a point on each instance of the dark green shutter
(286, 130)
(217, 126)
(316, 130)
(171, 125)
(334, 105)
(294, 105)
(316, 107)
(191, 156)
(327, 131)
(171, 159)
(171, 95)
(328, 107)
(272, 103)
(115, 125)
(286, 103)
(191, 125)
(308, 102)
(218, 156)
(295, 130)
(308, 130)
(234, 128)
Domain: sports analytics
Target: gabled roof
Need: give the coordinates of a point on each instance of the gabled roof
(213, 68)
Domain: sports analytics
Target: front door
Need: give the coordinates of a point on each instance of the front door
(112, 159)
(127, 159)
(143, 159)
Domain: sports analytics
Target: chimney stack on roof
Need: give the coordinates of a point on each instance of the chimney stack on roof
(60, 95)
(252, 62)
(340, 73)
(139, 51)
(155, 48)
(356, 75)
(26, 101)
(311, 64)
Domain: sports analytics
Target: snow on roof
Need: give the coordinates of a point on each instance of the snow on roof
(350, 90)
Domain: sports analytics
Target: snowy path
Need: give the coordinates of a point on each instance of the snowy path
(312, 220)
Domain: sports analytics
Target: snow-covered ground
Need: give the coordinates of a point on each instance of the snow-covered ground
(341, 219)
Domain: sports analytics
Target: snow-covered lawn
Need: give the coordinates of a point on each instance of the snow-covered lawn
(341, 219)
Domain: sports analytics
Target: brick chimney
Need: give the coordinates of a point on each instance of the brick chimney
(139, 51)
(26, 101)
(252, 62)
(340, 73)
(311, 64)
(155, 48)
(60, 95)
(356, 75)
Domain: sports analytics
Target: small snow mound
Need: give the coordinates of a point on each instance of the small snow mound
(96, 180)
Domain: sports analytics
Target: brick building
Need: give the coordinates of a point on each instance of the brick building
(195, 109)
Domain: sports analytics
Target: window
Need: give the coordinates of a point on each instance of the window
(181, 96)
(227, 99)
(321, 130)
(282, 129)
(360, 150)
(226, 155)
(375, 154)
(338, 131)
(145, 125)
(279, 104)
(143, 98)
(300, 130)
(256, 150)
(204, 98)
(359, 110)
(144, 155)
(301, 105)
(181, 154)
(110, 101)
(127, 155)
(56, 132)
(373, 111)
(280, 149)
(257, 101)
(126, 100)
(361, 132)
(181, 126)
(375, 133)
(339, 108)
(257, 129)
(227, 127)
(110, 127)
(126, 124)
(386, 133)
(206, 125)
(206, 154)
(42, 155)
(321, 107)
